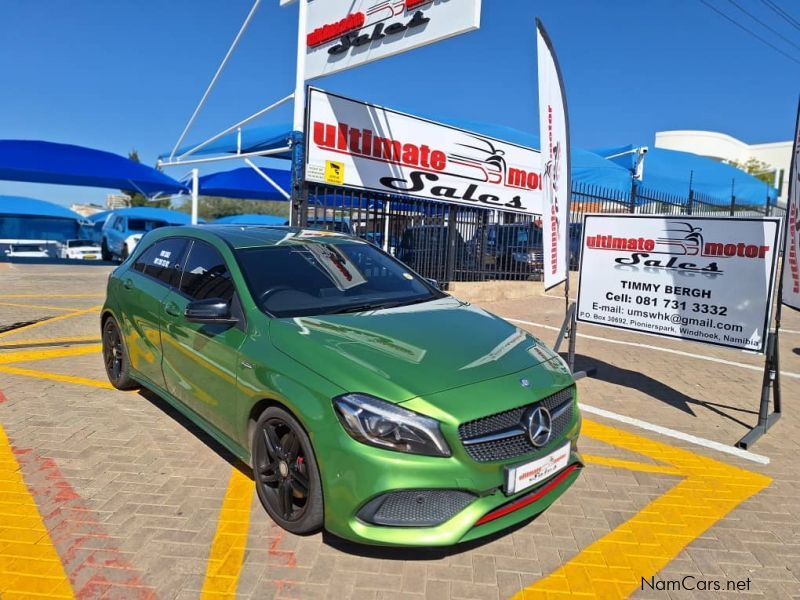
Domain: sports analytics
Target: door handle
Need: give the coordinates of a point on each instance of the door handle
(128, 284)
(172, 309)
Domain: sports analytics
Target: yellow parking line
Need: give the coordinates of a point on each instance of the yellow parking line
(52, 295)
(10, 344)
(614, 565)
(227, 549)
(19, 356)
(76, 313)
(56, 377)
(605, 461)
(29, 564)
(42, 306)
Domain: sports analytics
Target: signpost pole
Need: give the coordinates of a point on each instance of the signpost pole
(299, 189)
(195, 194)
(771, 384)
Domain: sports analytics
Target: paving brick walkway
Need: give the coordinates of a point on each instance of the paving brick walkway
(138, 503)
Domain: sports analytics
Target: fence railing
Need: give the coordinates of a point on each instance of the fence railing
(450, 242)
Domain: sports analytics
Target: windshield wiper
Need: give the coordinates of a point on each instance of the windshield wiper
(363, 307)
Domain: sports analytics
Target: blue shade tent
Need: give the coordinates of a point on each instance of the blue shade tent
(252, 139)
(671, 172)
(247, 184)
(24, 218)
(65, 164)
(251, 219)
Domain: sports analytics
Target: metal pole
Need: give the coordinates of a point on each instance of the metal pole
(300, 73)
(195, 194)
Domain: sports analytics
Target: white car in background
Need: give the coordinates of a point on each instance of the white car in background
(26, 251)
(80, 250)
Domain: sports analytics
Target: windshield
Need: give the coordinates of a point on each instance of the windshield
(318, 277)
(79, 243)
(145, 224)
(26, 248)
(515, 235)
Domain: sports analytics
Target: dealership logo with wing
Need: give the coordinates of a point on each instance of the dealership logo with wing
(684, 239)
(352, 30)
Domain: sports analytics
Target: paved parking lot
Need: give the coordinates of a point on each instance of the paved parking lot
(107, 494)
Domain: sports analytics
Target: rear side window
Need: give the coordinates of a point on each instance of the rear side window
(206, 275)
(162, 260)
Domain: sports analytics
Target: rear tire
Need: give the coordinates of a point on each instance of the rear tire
(286, 472)
(115, 357)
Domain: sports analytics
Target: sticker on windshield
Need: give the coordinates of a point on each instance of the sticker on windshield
(408, 276)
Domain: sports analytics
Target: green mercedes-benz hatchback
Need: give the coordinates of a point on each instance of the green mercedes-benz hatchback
(366, 400)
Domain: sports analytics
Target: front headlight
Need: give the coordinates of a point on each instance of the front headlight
(380, 423)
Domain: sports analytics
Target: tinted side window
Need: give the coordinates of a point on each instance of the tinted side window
(162, 260)
(205, 274)
(144, 259)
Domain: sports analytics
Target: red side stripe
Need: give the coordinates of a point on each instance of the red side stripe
(525, 501)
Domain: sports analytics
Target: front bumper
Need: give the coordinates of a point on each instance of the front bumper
(356, 476)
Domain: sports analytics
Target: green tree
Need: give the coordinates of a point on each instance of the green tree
(757, 168)
(139, 199)
(213, 207)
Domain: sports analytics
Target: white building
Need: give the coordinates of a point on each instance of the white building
(724, 147)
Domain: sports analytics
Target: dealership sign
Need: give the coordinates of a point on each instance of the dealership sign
(367, 147)
(555, 167)
(341, 34)
(791, 266)
(704, 279)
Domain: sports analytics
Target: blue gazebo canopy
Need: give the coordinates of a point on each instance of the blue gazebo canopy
(672, 172)
(22, 206)
(247, 184)
(66, 164)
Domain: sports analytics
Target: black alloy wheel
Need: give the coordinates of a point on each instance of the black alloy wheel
(285, 471)
(115, 357)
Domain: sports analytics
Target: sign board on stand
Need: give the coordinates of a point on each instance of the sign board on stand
(341, 34)
(704, 279)
(367, 147)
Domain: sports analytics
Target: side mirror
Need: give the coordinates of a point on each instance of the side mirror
(434, 283)
(210, 310)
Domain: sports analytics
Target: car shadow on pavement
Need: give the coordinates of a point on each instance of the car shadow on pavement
(386, 552)
(657, 389)
(187, 424)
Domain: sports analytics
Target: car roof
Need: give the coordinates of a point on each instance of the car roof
(257, 236)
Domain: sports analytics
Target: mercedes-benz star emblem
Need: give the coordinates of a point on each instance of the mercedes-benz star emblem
(539, 425)
(524, 382)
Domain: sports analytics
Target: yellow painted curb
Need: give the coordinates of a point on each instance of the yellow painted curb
(31, 355)
(69, 315)
(230, 540)
(614, 565)
(29, 563)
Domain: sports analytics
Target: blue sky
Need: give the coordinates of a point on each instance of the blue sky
(127, 73)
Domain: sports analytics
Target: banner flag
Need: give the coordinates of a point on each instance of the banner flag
(556, 185)
(790, 283)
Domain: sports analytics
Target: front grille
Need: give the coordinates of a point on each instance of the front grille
(415, 508)
(517, 445)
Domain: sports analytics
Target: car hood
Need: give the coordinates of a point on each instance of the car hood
(404, 352)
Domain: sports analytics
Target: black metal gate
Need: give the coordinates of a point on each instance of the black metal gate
(450, 242)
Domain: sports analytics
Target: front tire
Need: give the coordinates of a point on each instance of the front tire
(286, 472)
(115, 357)
(104, 251)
